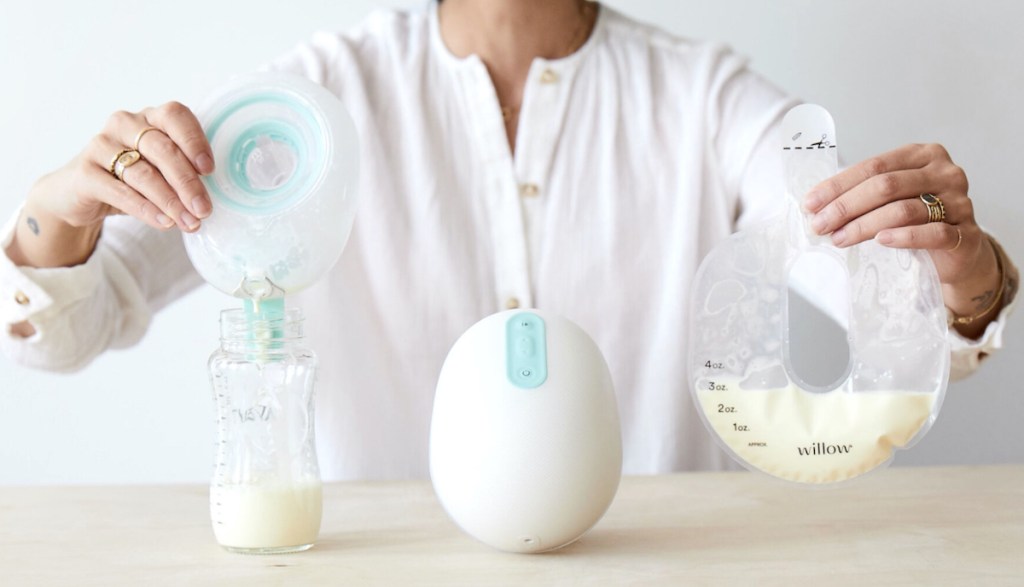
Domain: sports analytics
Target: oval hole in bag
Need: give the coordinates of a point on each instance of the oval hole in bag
(817, 350)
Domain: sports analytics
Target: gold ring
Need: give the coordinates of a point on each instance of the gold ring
(123, 160)
(142, 133)
(959, 239)
(936, 211)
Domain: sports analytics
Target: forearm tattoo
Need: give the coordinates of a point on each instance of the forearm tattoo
(32, 225)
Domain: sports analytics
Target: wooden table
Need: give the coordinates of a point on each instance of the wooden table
(907, 526)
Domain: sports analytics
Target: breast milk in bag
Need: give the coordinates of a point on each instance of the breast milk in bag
(743, 383)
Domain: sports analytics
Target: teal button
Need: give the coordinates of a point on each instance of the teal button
(526, 350)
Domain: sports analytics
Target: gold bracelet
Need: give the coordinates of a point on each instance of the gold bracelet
(955, 320)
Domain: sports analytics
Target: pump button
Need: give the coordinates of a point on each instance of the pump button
(526, 350)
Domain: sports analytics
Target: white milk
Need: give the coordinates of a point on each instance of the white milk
(815, 437)
(251, 516)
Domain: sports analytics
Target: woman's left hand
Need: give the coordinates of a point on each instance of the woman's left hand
(880, 199)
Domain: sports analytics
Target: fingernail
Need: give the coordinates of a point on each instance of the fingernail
(812, 201)
(164, 220)
(201, 206)
(839, 236)
(818, 223)
(205, 164)
(189, 221)
(884, 238)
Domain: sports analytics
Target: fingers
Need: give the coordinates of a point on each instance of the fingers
(882, 193)
(935, 236)
(871, 194)
(120, 196)
(146, 181)
(180, 151)
(172, 154)
(164, 155)
(902, 213)
(906, 157)
(183, 128)
(910, 211)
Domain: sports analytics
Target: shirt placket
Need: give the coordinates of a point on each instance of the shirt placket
(514, 188)
(541, 118)
(500, 192)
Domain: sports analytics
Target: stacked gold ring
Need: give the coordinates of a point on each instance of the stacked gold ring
(936, 211)
(124, 159)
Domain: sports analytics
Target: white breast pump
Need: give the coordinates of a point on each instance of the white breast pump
(525, 445)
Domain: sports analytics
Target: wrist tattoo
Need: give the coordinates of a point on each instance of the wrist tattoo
(32, 225)
(982, 301)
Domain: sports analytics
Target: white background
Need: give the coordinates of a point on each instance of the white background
(890, 72)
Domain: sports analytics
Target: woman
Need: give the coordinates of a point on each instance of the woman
(516, 153)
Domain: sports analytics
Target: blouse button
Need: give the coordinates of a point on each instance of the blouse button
(548, 76)
(512, 303)
(529, 190)
(21, 298)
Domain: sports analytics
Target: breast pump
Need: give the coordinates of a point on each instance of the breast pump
(743, 382)
(284, 196)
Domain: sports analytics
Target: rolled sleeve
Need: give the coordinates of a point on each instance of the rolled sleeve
(43, 297)
(967, 353)
(29, 293)
(106, 302)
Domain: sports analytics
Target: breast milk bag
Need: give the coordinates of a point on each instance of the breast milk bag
(743, 382)
(284, 194)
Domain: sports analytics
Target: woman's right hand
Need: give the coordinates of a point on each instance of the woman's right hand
(163, 189)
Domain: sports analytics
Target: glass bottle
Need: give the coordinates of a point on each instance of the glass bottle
(266, 494)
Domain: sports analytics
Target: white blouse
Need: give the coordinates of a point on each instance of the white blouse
(634, 157)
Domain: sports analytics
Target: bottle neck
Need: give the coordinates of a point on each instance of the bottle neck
(268, 332)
